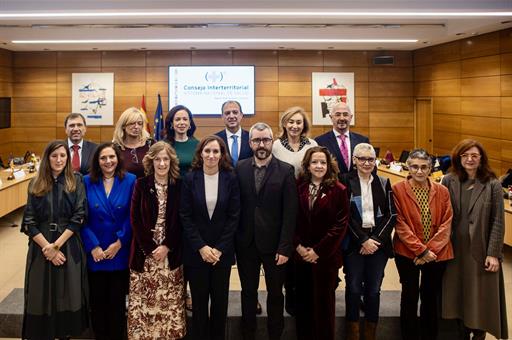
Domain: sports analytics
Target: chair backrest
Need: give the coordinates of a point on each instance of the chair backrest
(403, 156)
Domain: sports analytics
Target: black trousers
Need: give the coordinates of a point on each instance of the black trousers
(426, 287)
(316, 300)
(108, 290)
(249, 261)
(209, 283)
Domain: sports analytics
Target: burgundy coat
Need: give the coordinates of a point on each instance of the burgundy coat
(324, 226)
(144, 212)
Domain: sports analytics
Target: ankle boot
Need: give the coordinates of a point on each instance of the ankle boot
(352, 329)
(369, 330)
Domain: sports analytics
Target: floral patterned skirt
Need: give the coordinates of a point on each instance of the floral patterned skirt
(156, 307)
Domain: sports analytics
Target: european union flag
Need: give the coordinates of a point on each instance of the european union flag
(158, 126)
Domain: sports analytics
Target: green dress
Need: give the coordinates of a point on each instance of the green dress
(185, 151)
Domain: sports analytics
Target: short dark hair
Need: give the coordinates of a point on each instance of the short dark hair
(74, 115)
(225, 159)
(232, 102)
(95, 172)
(170, 118)
(484, 172)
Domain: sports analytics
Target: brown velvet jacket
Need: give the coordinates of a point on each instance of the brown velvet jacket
(408, 239)
(144, 212)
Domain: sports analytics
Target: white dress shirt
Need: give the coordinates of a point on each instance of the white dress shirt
(367, 202)
(230, 140)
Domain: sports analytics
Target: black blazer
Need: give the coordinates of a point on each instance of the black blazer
(198, 229)
(88, 149)
(267, 218)
(245, 148)
(329, 141)
(384, 214)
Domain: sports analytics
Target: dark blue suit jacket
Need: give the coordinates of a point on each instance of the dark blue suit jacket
(88, 149)
(108, 220)
(245, 148)
(198, 229)
(329, 141)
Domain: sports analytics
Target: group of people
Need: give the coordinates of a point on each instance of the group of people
(149, 216)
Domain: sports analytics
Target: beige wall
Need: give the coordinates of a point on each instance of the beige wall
(470, 82)
(41, 89)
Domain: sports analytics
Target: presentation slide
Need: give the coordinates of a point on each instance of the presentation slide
(203, 89)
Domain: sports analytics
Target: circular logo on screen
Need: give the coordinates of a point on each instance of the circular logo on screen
(213, 77)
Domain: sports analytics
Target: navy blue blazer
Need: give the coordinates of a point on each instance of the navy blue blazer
(245, 148)
(329, 141)
(88, 149)
(108, 220)
(198, 229)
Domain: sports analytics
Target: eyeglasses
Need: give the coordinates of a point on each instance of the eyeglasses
(416, 168)
(139, 123)
(235, 112)
(363, 160)
(257, 141)
(135, 159)
(470, 155)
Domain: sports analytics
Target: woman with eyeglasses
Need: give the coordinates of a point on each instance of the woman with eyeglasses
(107, 237)
(132, 138)
(56, 290)
(156, 303)
(321, 225)
(180, 128)
(368, 243)
(422, 246)
(473, 288)
(210, 212)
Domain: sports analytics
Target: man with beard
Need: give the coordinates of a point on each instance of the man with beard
(269, 204)
(80, 149)
(233, 135)
(340, 141)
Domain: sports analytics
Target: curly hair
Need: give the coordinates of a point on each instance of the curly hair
(331, 176)
(155, 149)
(225, 159)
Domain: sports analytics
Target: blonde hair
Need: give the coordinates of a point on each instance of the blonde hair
(149, 169)
(43, 182)
(288, 114)
(130, 115)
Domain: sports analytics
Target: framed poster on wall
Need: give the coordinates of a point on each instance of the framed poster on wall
(327, 89)
(93, 96)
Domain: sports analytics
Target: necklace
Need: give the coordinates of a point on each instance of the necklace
(108, 179)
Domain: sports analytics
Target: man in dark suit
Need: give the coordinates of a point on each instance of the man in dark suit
(268, 211)
(233, 134)
(80, 149)
(340, 141)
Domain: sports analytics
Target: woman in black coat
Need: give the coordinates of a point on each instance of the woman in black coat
(209, 210)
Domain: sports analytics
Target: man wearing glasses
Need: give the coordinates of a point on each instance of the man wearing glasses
(233, 135)
(340, 141)
(80, 149)
(269, 204)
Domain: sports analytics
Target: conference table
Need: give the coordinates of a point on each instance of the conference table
(397, 176)
(13, 193)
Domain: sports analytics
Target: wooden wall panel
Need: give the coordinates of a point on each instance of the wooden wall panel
(283, 79)
(472, 92)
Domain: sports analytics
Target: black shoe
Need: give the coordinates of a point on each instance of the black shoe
(289, 302)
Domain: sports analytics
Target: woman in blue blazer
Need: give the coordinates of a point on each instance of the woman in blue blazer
(107, 237)
(209, 211)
